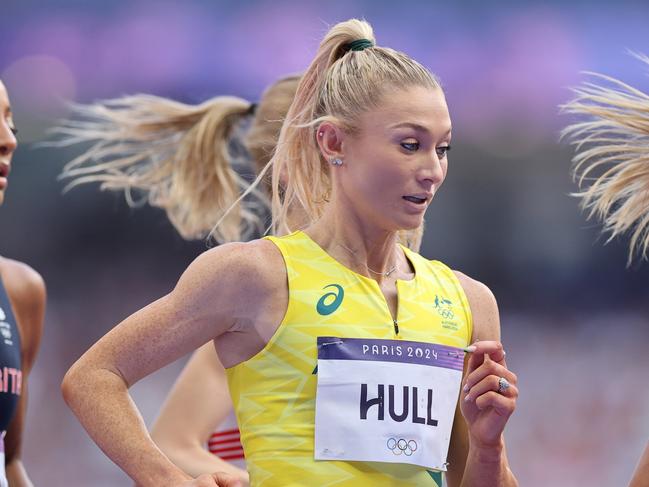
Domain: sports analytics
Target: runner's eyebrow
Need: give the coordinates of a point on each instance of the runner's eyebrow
(412, 125)
(418, 127)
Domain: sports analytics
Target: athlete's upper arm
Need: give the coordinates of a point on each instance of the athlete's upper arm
(486, 326)
(221, 288)
(26, 291)
(484, 309)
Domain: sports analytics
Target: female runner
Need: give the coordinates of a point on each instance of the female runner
(362, 152)
(22, 309)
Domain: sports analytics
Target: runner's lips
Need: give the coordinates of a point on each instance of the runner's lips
(4, 170)
(419, 199)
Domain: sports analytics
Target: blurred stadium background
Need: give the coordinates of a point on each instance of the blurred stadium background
(575, 319)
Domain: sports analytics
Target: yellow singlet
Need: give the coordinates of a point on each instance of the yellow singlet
(274, 391)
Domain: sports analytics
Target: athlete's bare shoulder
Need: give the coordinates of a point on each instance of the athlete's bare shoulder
(256, 264)
(24, 285)
(26, 290)
(474, 289)
(238, 277)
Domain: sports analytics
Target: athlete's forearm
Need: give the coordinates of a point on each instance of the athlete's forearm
(488, 467)
(16, 474)
(100, 400)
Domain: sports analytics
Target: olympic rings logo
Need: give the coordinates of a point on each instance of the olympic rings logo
(447, 314)
(402, 446)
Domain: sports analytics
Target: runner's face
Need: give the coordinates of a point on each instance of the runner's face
(396, 161)
(7, 139)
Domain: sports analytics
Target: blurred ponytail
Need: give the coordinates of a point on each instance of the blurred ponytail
(611, 164)
(176, 154)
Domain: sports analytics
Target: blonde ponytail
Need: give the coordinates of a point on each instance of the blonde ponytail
(611, 164)
(176, 154)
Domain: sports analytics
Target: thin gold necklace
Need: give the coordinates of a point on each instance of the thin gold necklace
(384, 274)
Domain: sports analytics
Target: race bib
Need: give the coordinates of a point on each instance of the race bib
(386, 400)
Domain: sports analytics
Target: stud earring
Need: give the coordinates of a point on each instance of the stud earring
(337, 161)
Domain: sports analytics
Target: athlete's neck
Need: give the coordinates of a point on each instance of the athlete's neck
(366, 249)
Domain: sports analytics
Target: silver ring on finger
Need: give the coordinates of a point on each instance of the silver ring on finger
(503, 385)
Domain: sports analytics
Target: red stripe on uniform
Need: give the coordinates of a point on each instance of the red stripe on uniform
(226, 445)
(225, 432)
(221, 442)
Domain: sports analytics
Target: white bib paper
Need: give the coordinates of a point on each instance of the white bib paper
(386, 400)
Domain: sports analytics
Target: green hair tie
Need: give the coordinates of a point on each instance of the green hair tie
(359, 45)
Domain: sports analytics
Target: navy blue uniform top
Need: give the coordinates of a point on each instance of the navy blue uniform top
(10, 363)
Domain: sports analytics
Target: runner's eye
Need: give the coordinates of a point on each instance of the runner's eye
(442, 151)
(410, 146)
(11, 125)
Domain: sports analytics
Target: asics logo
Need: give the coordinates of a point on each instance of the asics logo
(330, 301)
(401, 446)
